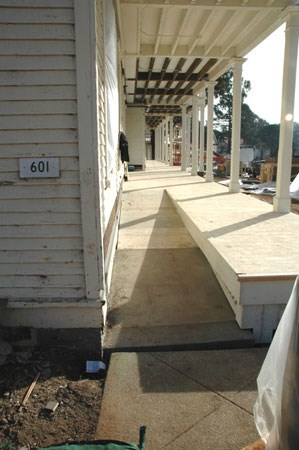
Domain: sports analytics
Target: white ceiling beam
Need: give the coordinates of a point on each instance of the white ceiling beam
(211, 4)
(201, 27)
(148, 50)
(225, 23)
(245, 26)
(259, 33)
(183, 21)
(160, 29)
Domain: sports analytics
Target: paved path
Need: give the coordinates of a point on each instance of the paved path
(164, 296)
(164, 293)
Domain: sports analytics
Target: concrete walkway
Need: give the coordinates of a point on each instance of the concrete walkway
(164, 296)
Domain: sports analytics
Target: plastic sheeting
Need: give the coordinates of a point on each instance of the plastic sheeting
(111, 85)
(276, 410)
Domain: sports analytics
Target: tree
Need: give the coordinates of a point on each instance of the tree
(269, 137)
(251, 124)
(224, 108)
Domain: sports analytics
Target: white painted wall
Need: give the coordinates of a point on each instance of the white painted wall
(53, 104)
(135, 131)
(40, 220)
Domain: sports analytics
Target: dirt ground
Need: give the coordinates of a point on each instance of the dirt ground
(62, 380)
(269, 199)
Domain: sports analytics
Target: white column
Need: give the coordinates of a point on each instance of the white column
(209, 158)
(194, 168)
(282, 201)
(157, 143)
(184, 146)
(202, 104)
(188, 135)
(162, 141)
(159, 137)
(165, 142)
(171, 141)
(234, 185)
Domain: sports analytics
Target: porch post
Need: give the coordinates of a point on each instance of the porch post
(234, 185)
(194, 168)
(165, 139)
(171, 141)
(209, 159)
(202, 104)
(184, 141)
(188, 134)
(282, 200)
(157, 143)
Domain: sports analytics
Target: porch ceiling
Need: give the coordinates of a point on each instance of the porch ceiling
(170, 48)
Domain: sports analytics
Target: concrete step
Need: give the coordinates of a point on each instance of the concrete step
(202, 336)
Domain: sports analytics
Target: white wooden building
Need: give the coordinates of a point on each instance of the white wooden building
(60, 176)
(67, 70)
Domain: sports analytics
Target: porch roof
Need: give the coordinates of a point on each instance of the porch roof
(170, 48)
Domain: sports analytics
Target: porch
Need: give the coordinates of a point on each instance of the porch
(250, 249)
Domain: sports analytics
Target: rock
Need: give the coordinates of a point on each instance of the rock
(5, 348)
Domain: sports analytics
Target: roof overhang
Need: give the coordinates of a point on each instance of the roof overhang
(170, 48)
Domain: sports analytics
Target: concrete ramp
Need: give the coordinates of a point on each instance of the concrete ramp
(164, 294)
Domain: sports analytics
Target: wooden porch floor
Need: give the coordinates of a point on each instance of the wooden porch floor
(253, 251)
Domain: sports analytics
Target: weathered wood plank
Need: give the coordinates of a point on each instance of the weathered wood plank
(37, 77)
(41, 219)
(37, 3)
(27, 122)
(66, 178)
(88, 145)
(12, 164)
(40, 231)
(41, 257)
(36, 206)
(33, 136)
(45, 149)
(38, 107)
(37, 47)
(37, 15)
(41, 281)
(39, 244)
(51, 32)
(27, 268)
(17, 62)
(42, 293)
(42, 192)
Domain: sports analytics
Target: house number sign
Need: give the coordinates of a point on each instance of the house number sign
(39, 168)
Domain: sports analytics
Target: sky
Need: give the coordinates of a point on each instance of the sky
(264, 68)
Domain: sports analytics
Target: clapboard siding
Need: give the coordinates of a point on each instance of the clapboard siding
(40, 220)
(43, 149)
(20, 31)
(58, 205)
(37, 92)
(41, 244)
(33, 16)
(30, 78)
(34, 122)
(38, 107)
(31, 269)
(37, 3)
(21, 256)
(43, 292)
(29, 47)
(9, 179)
